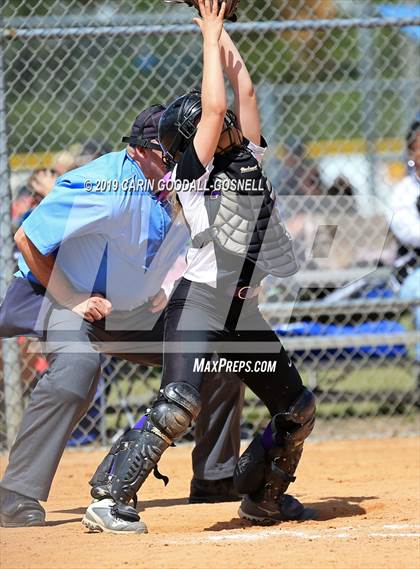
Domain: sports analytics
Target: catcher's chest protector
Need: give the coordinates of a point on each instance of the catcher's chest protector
(245, 225)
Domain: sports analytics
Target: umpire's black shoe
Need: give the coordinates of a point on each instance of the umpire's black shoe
(213, 491)
(19, 511)
(267, 512)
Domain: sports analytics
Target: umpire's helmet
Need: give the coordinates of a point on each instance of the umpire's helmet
(178, 124)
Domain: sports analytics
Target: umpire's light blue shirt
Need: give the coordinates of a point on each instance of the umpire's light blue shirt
(108, 231)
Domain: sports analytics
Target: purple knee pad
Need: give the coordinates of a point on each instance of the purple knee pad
(140, 423)
(267, 437)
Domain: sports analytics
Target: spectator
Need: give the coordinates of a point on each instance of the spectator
(64, 162)
(344, 193)
(405, 223)
(23, 203)
(91, 150)
(39, 184)
(43, 180)
(299, 175)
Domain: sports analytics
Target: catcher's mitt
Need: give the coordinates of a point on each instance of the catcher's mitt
(231, 7)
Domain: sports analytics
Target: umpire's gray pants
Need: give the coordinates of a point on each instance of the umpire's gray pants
(65, 392)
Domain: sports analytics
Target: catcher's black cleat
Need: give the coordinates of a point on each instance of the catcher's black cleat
(213, 491)
(19, 511)
(285, 508)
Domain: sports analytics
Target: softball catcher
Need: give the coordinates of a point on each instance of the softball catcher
(238, 239)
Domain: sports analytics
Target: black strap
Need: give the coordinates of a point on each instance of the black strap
(247, 271)
(160, 476)
(124, 512)
(143, 142)
(282, 474)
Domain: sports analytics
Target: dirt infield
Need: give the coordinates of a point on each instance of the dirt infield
(366, 494)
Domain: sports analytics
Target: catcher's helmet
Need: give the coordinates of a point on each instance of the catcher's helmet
(178, 124)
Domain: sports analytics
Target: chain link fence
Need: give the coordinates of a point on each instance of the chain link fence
(338, 84)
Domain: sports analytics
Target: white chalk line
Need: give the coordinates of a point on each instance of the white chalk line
(401, 526)
(346, 532)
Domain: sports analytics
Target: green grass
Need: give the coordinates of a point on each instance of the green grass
(365, 380)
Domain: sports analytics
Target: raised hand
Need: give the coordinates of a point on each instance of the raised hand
(211, 21)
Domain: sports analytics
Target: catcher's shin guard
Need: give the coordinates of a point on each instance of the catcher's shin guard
(264, 473)
(101, 480)
(140, 450)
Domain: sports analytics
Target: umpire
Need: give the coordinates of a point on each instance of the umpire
(94, 255)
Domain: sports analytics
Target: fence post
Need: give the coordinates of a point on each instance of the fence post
(368, 67)
(10, 350)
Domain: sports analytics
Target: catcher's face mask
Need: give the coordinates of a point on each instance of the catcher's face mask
(178, 125)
